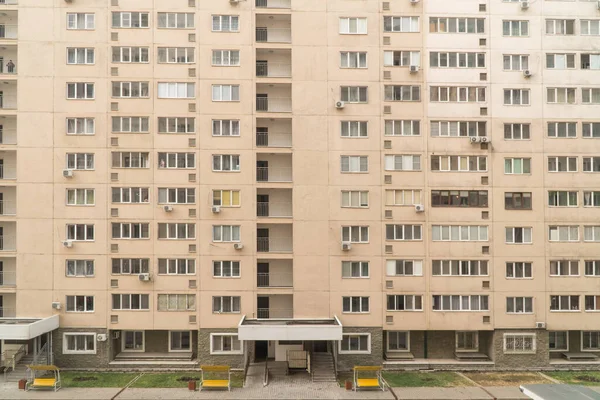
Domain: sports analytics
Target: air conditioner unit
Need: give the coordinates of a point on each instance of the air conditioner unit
(68, 173)
(216, 209)
(238, 246)
(346, 246)
(524, 5)
(144, 277)
(540, 325)
(56, 305)
(414, 69)
(340, 104)
(485, 139)
(527, 73)
(168, 208)
(419, 208)
(67, 243)
(116, 334)
(101, 337)
(474, 139)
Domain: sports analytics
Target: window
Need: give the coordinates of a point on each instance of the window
(562, 164)
(80, 232)
(226, 58)
(564, 268)
(130, 230)
(403, 232)
(226, 304)
(225, 92)
(133, 90)
(79, 343)
(560, 27)
(562, 198)
(82, 268)
(401, 24)
(226, 127)
(226, 233)
(176, 302)
(80, 161)
(460, 94)
(516, 97)
(225, 343)
(590, 96)
(519, 305)
(517, 166)
(176, 231)
(81, 126)
(558, 340)
(80, 90)
(404, 302)
(591, 164)
(460, 303)
(518, 270)
(516, 131)
(175, 20)
(354, 129)
(81, 21)
(402, 197)
(404, 267)
(356, 26)
(355, 343)
(80, 55)
(590, 340)
(456, 25)
(135, 55)
(591, 233)
(130, 302)
(561, 61)
(176, 90)
(177, 160)
(518, 235)
(355, 199)
(515, 28)
(226, 198)
(473, 233)
(467, 341)
(401, 58)
(456, 60)
(398, 341)
(129, 19)
(355, 234)
(176, 266)
(226, 269)
(402, 127)
(563, 233)
(353, 59)
(458, 128)
(592, 268)
(459, 163)
(130, 195)
(225, 23)
(130, 266)
(591, 199)
(126, 159)
(519, 343)
(226, 162)
(404, 162)
(80, 197)
(355, 269)
(560, 95)
(562, 129)
(80, 303)
(459, 267)
(353, 94)
(590, 27)
(176, 125)
(176, 55)
(355, 304)
(176, 195)
(590, 129)
(180, 340)
(564, 303)
(130, 124)
(515, 62)
(355, 164)
(459, 198)
(402, 93)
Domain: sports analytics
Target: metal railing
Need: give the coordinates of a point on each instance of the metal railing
(8, 278)
(8, 2)
(8, 70)
(8, 31)
(8, 207)
(272, 174)
(273, 139)
(7, 312)
(41, 357)
(274, 104)
(270, 70)
(274, 245)
(7, 243)
(8, 136)
(273, 35)
(274, 209)
(268, 313)
(8, 171)
(273, 3)
(10, 359)
(8, 102)
(274, 279)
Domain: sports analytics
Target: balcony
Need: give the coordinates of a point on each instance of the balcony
(273, 98)
(8, 60)
(8, 236)
(273, 63)
(286, 4)
(8, 95)
(275, 306)
(275, 168)
(274, 274)
(8, 165)
(8, 24)
(273, 29)
(274, 203)
(8, 307)
(274, 133)
(274, 238)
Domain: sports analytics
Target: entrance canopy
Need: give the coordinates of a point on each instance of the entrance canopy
(26, 328)
(290, 329)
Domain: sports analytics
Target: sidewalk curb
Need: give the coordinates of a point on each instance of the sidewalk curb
(548, 377)
(475, 383)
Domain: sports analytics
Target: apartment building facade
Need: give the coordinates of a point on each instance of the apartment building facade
(218, 182)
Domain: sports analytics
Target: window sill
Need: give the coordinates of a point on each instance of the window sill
(355, 352)
(225, 353)
(78, 352)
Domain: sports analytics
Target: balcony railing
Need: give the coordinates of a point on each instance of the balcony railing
(8, 243)
(8, 102)
(8, 207)
(10, 312)
(273, 35)
(8, 69)
(273, 3)
(270, 70)
(271, 174)
(274, 245)
(8, 172)
(274, 279)
(274, 104)
(266, 313)
(7, 278)
(274, 209)
(272, 139)
(8, 2)
(8, 136)
(8, 31)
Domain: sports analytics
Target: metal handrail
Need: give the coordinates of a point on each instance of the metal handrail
(14, 360)
(37, 356)
(266, 374)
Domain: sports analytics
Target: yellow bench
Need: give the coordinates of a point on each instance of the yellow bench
(35, 382)
(367, 382)
(372, 380)
(44, 382)
(215, 383)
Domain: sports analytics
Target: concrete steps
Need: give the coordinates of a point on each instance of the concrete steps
(322, 368)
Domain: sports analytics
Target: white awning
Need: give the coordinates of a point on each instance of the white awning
(26, 328)
(290, 329)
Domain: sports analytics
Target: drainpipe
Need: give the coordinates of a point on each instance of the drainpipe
(424, 344)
